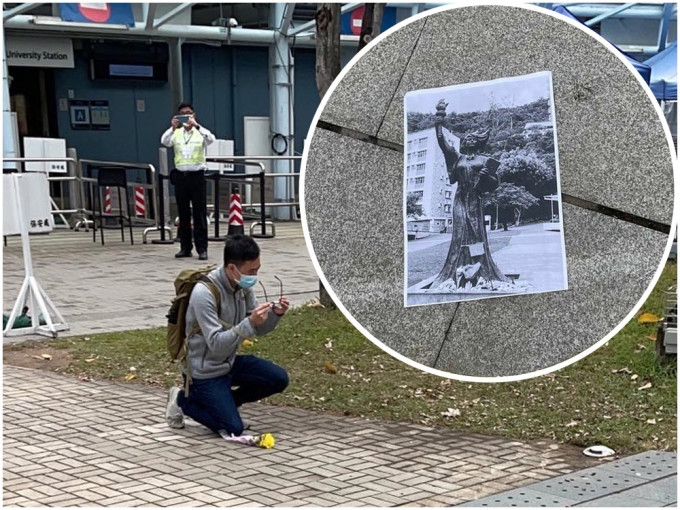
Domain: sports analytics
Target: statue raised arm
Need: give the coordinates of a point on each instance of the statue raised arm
(450, 153)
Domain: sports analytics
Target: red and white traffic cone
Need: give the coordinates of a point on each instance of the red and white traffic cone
(235, 215)
(107, 201)
(140, 202)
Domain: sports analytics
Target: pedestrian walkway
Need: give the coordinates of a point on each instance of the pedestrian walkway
(81, 443)
(648, 479)
(118, 287)
(102, 443)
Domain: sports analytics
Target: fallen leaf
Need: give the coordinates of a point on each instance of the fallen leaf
(315, 304)
(651, 338)
(624, 370)
(329, 344)
(572, 423)
(130, 377)
(633, 377)
(646, 386)
(330, 368)
(46, 356)
(247, 343)
(90, 360)
(85, 378)
(651, 421)
(648, 318)
(640, 347)
(133, 369)
(451, 413)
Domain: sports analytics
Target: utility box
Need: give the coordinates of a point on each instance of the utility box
(45, 148)
(667, 335)
(220, 148)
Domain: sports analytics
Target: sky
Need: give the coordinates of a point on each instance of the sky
(472, 97)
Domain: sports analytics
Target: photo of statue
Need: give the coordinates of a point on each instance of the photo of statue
(477, 153)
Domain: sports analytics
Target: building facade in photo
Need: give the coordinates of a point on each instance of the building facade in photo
(427, 178)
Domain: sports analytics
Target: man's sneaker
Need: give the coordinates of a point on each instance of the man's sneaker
(173, 413)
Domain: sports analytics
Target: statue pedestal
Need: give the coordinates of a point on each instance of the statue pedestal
(420, 294)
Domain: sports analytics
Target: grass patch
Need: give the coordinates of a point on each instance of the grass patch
(595, 400)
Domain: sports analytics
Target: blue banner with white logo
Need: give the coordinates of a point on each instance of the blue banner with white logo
(115, 14)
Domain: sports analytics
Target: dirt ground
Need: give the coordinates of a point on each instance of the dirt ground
(39, 356)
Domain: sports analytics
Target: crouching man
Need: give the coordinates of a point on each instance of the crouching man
(221, 380)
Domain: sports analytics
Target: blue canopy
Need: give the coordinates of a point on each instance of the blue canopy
(664, 82)
(642, 68)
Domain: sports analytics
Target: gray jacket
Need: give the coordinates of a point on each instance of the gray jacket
(212, 350)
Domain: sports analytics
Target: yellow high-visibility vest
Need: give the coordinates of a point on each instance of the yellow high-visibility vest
(189, 148)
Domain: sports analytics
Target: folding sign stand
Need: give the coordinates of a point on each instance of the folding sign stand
(31, 292)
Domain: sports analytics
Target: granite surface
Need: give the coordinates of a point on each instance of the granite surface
(612, 151)
(610, 264)
(612, 145)
(362, 97)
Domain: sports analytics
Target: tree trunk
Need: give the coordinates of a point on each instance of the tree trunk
(327, 45)
(327, 68)
(371, 23)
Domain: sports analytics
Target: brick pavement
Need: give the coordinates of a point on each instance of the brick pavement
(118, 287)
(102, 443)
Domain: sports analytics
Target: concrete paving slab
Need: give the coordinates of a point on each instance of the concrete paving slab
(117, 286)
(622, 500)
(357, 237)
(99, 423)
(361, 99)
(586, 485)
(612, 484)
(663, 492)
(358, 241)
(647, 465)
(520, 334)
(611, 141)
(522, 498)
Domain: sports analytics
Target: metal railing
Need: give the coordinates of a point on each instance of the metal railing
(79, 168)
(152, 186)
(289, 176)
(247, 180)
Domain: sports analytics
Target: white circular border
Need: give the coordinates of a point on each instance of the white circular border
(349, 316)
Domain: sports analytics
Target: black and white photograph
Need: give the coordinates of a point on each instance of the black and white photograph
(482, 207)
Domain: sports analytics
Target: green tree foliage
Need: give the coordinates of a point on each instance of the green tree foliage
(525, 167)
(413, 206)
(527, 159)
(510, 197)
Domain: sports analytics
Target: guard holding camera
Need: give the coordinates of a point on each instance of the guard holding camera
(188, 140)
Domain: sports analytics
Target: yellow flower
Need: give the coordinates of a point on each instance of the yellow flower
(265, 440)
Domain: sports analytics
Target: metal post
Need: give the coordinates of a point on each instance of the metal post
(176, 81)
(664, 25)
(74, 185)
(162, 196)
(216, 208)
(607, 15)
(280, 92)
(9, 150)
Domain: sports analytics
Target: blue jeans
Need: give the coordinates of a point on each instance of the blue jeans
(213, 402)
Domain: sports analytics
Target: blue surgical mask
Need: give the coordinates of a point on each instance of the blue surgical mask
(246, 281)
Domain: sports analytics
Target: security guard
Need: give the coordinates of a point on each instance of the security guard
(188, 140)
